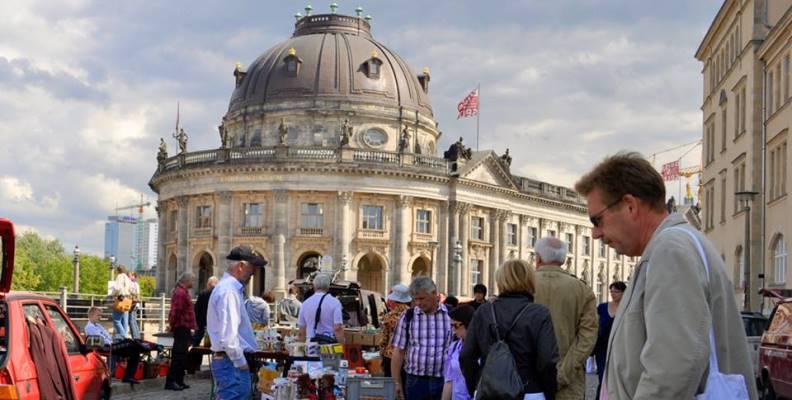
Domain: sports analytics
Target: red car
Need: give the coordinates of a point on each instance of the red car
(775, 349)
(19, 379)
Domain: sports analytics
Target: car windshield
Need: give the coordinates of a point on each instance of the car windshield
(754, 326)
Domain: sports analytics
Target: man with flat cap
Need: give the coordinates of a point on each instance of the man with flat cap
(228, 325)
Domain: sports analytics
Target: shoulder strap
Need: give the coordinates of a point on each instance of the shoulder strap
(513, 324)
(408, 317)
(319, 313)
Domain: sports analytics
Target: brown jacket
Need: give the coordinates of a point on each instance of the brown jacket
(573, 308)
(659, 346)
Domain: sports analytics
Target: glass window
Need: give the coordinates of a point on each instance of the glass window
(67, 334)
(291, 65)
(312, 215)
(780, 260)
(203, 217)
(253, 215)
(570, 239)
(475, 271)
(511, 233)
(586, 245)
(477, 228)
(531, 236)
(602, 249)
(372, 217)
(33, 311)
(423, 221)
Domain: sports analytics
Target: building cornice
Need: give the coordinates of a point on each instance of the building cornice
(714, 27)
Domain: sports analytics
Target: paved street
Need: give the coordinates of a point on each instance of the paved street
(200, 390)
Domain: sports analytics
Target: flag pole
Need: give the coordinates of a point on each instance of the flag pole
(478, 114)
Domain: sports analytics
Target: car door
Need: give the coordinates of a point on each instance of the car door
(86, 376)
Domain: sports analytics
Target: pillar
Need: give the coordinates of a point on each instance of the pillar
(452, 237)
(276, 277)
(343, 231)
(224, 229)
(182, 244)
(162, 266)
(464, 233)
(440, 261)
(281, 218)
(403, 230)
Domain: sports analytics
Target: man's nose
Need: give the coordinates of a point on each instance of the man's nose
(596, 232)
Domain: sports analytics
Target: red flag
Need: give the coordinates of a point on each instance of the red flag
(469, 106)
(670, 171)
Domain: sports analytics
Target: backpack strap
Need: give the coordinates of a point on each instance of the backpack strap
(319, 313)
(513, 324)
(408, 317)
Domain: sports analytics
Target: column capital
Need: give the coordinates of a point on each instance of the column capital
(404, 201)
(345, 197)
(458, 207)
(182, 201)
(501, 215)
(224, 195)
(280, 195)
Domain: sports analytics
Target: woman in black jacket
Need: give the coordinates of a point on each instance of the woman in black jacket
(532, 340)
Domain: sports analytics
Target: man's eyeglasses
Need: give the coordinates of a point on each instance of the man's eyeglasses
(596, 219)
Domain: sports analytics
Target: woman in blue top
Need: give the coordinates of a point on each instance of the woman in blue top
(607, 312)
(455, 388)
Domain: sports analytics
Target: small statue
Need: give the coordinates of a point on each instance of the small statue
(346, 133)
(404, 141)
(162, 154)
(506, 158)
(224, 137)
(283, 131)
(181, 137)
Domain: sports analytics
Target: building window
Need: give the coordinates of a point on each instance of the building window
(551, 233)
(570, 239)
(786, 77)
(475, 271)
(739, 183)
(372, 218)
(777, 93)
(778, 173)
(373, 66)
(723, 198)
(292, 62)
(724, 119)
(511, 234)
(477, 228)
(172, 217)
(770, 93)
(531, 236)
(311, 216)
(423, 221)
(203, 217)
(779, 260)
(586, 245)
(252, 215)
(602, 250)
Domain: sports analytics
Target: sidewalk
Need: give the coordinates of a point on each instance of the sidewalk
(200, 384)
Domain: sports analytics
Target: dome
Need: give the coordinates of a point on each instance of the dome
(330, 57)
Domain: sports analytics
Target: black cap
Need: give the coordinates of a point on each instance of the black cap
(246, 253)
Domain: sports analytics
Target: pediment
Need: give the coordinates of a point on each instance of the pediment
(488, 170)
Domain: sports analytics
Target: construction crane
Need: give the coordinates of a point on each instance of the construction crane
(139, 206)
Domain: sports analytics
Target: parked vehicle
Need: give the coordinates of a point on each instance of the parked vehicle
(775, 349)
(18, 375)
(755, 324)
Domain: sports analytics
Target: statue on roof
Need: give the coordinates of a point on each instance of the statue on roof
(346, 133)
(506, 158)
(162, 154)
(458, 151)
(224, 137)
(282, 132)
(181, 137)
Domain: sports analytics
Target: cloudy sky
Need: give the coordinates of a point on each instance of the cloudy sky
(87, 87)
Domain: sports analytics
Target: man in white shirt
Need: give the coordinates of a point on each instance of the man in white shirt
(228, 325)
(327, 322)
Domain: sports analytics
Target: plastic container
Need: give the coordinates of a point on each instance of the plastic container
(376, 388)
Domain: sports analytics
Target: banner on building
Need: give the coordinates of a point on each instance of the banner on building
(469, 106)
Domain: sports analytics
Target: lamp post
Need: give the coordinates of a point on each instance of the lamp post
(76, 262)
(746, 198)
(457, 275)
(112, 265)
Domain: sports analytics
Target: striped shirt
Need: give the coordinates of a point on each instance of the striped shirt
(430, 338)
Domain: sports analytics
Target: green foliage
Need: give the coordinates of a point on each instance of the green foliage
(94, 274)
(25, 277)
(147, 285)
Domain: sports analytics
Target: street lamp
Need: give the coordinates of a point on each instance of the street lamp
(746, 198)
(76, 262)
(457, 275)
(112, 265)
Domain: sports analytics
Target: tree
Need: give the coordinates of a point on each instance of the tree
(147, 285)
(25, 277)
(94, 274)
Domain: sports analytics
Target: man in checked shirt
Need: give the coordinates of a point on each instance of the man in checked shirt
(423, 336)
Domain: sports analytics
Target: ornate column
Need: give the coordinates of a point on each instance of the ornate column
(440, 267)
(276, 277)
(343, 231)
(464, 232)
(452, 238)
(503, 215)
(521, 236)
(161, 234)
(182, 245)
(224, 229)
(281, 235)
(403, 229)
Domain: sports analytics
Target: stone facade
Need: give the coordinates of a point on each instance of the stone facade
(383, 204)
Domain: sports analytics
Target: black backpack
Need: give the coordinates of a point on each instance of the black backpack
(499, 378)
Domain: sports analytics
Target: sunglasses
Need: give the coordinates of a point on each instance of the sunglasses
(596, 219)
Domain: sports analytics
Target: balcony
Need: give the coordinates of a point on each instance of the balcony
(310, 231)
(371, 234)
(251, 231)
(202, 232)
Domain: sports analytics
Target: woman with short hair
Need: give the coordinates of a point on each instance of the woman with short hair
(607, 313)
(455, 387)
(525, 326)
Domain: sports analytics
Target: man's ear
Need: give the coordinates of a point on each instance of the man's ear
(632, 203)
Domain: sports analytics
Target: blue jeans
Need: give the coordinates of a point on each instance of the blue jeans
(133, 325)
(120, 324)
(423, 387)
(231, 383)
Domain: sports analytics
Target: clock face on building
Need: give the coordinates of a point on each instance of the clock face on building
(375, 137)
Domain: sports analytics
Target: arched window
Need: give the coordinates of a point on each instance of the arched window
(292, 63)
(779, 259)
(373, 66)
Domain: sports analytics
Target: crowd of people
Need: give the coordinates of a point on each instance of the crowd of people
(665, 335)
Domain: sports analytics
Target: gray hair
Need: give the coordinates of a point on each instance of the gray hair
(551, 250)
(423, 284)
(186, 277)
(212, 281)
(231, 264)
(322, 281)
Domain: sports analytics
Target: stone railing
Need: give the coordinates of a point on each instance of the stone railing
(311, 231)
(251, 231)
(423, 163)
(202, 232)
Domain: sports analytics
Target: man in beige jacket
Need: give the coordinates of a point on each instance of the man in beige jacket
(573, 309)
(659, 344)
